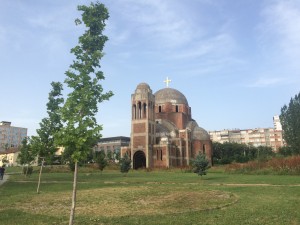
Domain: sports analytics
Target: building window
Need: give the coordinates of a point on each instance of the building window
(159, 108)
(177, 108)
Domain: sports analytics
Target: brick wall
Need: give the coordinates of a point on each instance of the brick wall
(139, 128)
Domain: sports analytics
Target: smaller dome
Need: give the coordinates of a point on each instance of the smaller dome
(200, 134)
(143, 87)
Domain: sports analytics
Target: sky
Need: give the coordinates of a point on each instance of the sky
(237, 62)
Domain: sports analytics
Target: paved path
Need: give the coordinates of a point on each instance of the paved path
(4, 179)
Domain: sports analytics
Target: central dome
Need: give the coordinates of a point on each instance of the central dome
(170, 95)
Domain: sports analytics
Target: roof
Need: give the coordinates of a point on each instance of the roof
(170, 95)
(117, 138)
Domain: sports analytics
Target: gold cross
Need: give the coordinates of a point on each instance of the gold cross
(167, 81)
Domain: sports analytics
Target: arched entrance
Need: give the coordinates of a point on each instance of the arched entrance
(139, 160)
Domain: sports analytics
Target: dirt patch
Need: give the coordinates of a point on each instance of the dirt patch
(122, 201)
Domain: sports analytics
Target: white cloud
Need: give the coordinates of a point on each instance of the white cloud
(281, 29)
(262, 82)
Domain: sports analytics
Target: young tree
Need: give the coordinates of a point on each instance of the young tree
(44, 144)
(26, 156)
(290, 121)
(81, 131)
(125, 164)
(101, 160)
(200, 164)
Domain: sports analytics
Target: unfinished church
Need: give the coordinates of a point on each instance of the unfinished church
(163, 133)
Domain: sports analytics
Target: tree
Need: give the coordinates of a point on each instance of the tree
(290, 121)
(125, 164)
(26, 156)
(81, 131)
(101, 160)
(44, 144)
(200, 164)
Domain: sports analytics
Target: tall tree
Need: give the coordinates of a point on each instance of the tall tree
(290, 121)
(81, 131)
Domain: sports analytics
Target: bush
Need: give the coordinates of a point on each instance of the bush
(286, 166)
(27, 170)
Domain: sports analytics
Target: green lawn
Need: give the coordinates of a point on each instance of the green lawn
(157, 197)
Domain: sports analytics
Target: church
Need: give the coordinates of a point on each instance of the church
(163, 133)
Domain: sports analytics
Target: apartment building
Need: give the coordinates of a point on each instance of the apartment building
(271, 137)
(10, 136)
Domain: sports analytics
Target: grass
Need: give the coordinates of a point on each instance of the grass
(156, 197)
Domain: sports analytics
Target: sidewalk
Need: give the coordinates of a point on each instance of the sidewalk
(5, 177)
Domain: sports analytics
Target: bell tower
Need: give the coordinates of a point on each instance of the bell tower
(142, 126)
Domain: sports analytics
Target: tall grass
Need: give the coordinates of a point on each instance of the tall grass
(282, 166)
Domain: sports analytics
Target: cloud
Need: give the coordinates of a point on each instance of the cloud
(281, 29)
(262, 82)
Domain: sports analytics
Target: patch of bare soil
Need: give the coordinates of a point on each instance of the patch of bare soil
(122, 201)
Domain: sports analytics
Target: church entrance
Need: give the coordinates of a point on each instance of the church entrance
(139, 160)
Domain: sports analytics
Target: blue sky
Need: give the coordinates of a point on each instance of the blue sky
(237, 62)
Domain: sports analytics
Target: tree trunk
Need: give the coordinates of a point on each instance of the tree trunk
(38, 187)
(72, 214)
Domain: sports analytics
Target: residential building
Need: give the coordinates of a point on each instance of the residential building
(271, 137)
(112, 144)
(10, 136)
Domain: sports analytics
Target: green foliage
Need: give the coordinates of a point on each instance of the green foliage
(125, 164)
(200, 164)
(290, 121)
(27, 170)
(81, 131)
(101, 160)
(43, 144)
(26, 155)
(229, 152)
(109, 155)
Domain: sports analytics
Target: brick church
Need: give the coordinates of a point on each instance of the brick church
(163, 133)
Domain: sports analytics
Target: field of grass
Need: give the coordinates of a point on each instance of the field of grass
(156, 197)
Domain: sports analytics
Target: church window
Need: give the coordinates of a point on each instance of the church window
(134, 112)
(159, 108)
(139, 110)
(144, 110)
(177, 108)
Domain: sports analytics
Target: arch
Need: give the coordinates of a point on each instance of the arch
(139, 160)
(159, 108)
(139, 110)
(134, 112)
(144, 110)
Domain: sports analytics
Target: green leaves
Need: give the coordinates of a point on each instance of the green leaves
(290, 121)
(81, 131)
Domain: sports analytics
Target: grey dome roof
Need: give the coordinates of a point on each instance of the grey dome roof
(170, 95)
(142, 88)
(200, 134)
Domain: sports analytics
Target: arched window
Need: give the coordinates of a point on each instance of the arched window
(144, 110)
(161, 155)
(139, 116)
(159, 108)
(134, 112)
(177, 108)
(203, 149)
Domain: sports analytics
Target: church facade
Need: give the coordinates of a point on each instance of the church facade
(163, 133)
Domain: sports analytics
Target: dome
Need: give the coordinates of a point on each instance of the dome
(200, 134)
(170, 95)
(142, 88)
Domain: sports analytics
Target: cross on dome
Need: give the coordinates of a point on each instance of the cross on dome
(167, 81)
